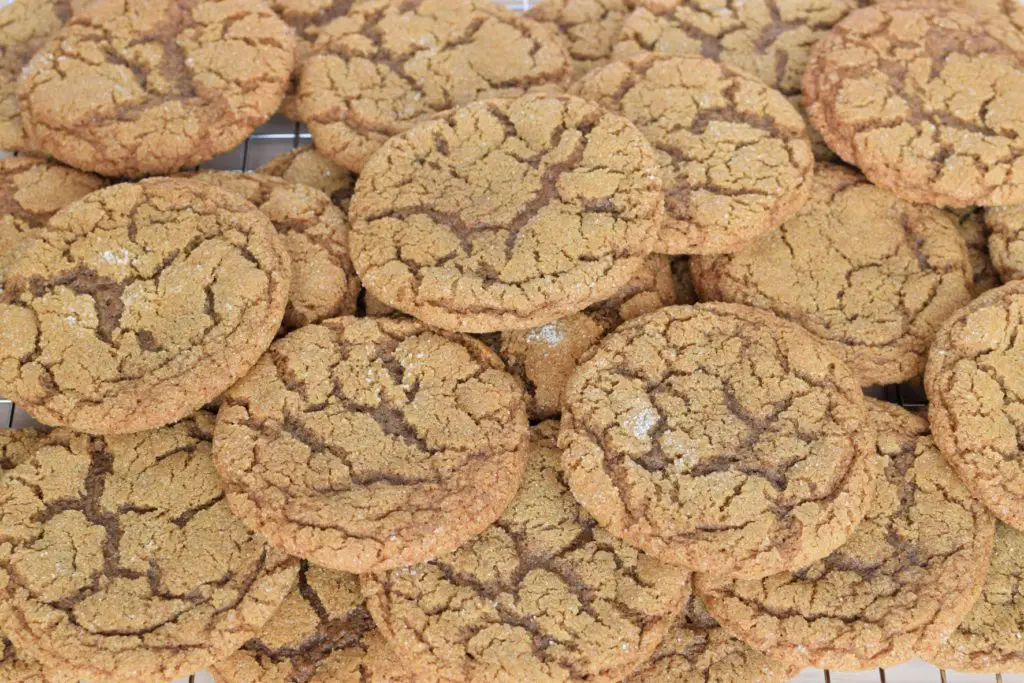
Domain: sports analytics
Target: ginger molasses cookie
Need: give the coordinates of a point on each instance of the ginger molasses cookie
(698, 650)
(387, 64)
(923, 98)
(975, 386)
(122, 561)
(1005, 226)
(363, 444)
(896, 589)
(17, 446)
(544, 594)
(545, 356)
(138, 304)
(719, 438)
(142, 87)
(506, 214)
(872, 275)
(735, 158)
(971, 225)
(315, 232)
(307, 166)
(588, 27)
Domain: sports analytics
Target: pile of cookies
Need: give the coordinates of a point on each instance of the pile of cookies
(436, 400)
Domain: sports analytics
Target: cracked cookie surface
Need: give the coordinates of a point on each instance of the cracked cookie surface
(544, 357)
(896, 589)
(972, 227)
(307, 166)
(139, 87)
(138, 304)
(544, 594)
(363, 444)
(1005, 226)
(872, 275)
(122, 560)
(315, 232)
(735, 158)
(975, 386)
(388, 64)
(719, 438)
(506, 214)
(925, 99)
(588, 27)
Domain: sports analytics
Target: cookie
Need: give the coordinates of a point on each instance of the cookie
(544, 594)
(998, 9)
(315, 232)
(897, 588)
(974, 381)
(142, 87)
(363, 444)
(544, 357)
(698, 650)
(719, 438)
(735, 158)
(923, 98)
(588, 27)
(988, 640)
(971, 225)
(322, 633)
(307, 166)
(685, 291)
(388, 64)
(1005, 225)
(506, 214)
(122, 561)
(138, 304)
(872, 275)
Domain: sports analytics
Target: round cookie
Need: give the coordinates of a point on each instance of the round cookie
(988, 640)
(388, 64)
(735, 158)
(719, 438)
(971, 225)
(698, 650)
(1005, 226)
(506, 214)
(307, 166)
(142, 87)
(544, 357)
(122, 560)
(315, 232)
(138, 304)
(363, 444)
(897, 588)
(872, 275)
(588, 27)
(975, 386)
(925, 99)
(544, 594)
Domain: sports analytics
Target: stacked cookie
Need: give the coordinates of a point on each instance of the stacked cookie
(437, 400)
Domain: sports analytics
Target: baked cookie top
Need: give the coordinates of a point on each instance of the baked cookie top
(307, 166)
(1005, 225)
(589, 28)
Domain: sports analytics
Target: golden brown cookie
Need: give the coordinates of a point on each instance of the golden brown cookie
(141, 87)
(971, 225)
(138, 304)
(698, 650)
(322, 633)
(975, 386)
(315, 232)
(719, 438)
(998, 9)
(588, 27)
(17, 446)
(735, 158)
(122, 561)
(1005, 226)
(989, 639)
(363, 444)
(544, 357)
(506, 214)
(307, 166)
(872, 275)
(925, 99)
(897, 588)
(544, 594)
(388, 64)
(685, 291)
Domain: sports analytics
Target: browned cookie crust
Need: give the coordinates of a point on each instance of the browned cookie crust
(925, 99)
(138, 304)
(506, 214)
(872, 275)
(138, 87)
(543, 595)
(719, 438)
(1005, 226)
(735, 158)
(972, 227)
(975, 386)
(307, 166)
(387, 64)
(363, 444)
(897, 588)
(122, 561)
(588, 27)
